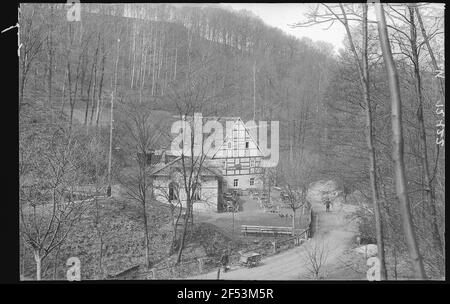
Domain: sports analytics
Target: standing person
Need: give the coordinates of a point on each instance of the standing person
(327, 204)
(225, 260)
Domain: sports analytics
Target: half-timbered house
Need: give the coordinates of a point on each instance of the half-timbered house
(239, 157)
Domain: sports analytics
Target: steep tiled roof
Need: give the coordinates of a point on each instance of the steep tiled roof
(206, 169)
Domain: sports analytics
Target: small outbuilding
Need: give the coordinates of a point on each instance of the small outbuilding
(168, 186)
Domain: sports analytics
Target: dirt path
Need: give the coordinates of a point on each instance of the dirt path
(333, 230)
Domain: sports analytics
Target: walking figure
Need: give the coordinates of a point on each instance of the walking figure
(327, 205)
(225, 260)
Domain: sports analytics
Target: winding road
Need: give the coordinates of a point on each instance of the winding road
(333, 231)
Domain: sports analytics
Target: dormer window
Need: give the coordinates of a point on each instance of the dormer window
(247, 144)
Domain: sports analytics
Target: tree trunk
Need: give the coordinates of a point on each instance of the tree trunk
(175, 66)
(161, 55)
(440, 81)
(174, 239)
(38, 260)
(293, 223)
(144, 69)
(113, 95)
(372, 160)
(395, 263)
(429, 189)
(71, 114)
(183, 236)
(99, 100)
(93, 96)
(134, 55)
(83, 75)
(50, 77)
(398, 146)
(55, 262)
(86, 112)
(22, 86)
(363, 72)
(94, 79)
(154, 62)
(147, 241)
(62, 95)
(100, 259)
(50, 59)
(69, 85)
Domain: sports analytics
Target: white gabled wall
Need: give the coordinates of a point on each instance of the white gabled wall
(236, 145)
(208, 193)
(243, 182)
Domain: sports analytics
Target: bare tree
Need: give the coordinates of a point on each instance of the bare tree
(98, 156)
(340, 14)
(202, 85)
(295, 199)
(409, 47)
(48, 205)
(398, 145)
(428, 183)
(100, 90)
(426, 40)
(172, 196)
(141, 136)
(314, 258)
(31, 40)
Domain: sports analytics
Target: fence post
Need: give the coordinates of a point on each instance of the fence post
(172, 272)
(200, 264)
(274, 244)
(153, 271)
(317, 223)
(218, 273)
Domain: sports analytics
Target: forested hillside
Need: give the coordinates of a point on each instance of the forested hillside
(71, 64)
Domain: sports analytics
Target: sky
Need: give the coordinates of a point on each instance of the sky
(281, 14)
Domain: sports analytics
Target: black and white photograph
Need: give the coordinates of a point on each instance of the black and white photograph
(230, 141)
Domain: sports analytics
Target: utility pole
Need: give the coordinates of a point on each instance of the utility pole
(254, 90)
(108, 191)
(234, 208)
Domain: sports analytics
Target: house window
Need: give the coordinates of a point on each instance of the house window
(235, 182)
(252, 162)
(252, 181)
(229, 145)
(246, 144)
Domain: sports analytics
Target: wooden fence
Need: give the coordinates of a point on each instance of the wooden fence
(197, 265)
(295, 240)
(273, 230)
